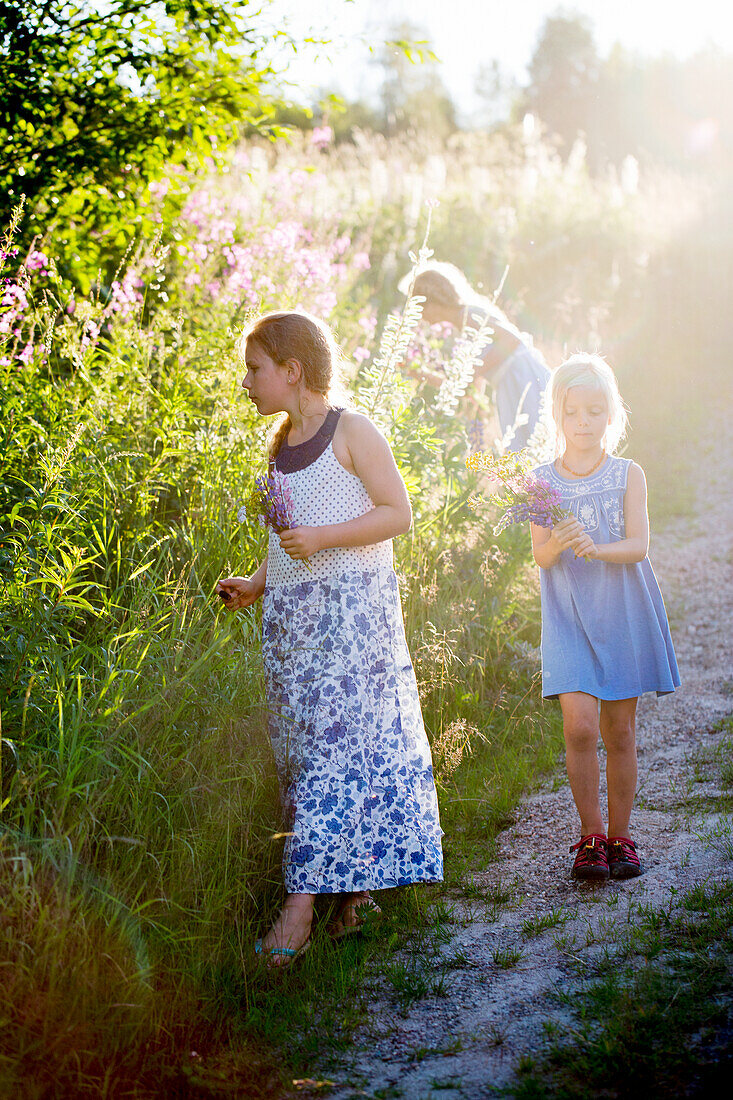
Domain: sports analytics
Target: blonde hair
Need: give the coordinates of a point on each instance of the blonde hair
(447, 286)
(585, 369)
(297, 335)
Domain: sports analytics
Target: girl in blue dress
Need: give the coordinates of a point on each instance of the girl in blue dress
(605, 636)
(344, 714)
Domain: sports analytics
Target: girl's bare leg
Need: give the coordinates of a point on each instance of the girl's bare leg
(349, 914)
(292, 927)
(618, 730)
(581, 728)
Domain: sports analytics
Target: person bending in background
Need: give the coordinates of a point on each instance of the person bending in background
(512, 366)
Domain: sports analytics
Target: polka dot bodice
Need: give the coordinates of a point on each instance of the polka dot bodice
(324, 493)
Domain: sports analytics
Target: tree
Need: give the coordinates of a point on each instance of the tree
(496, 92)
(96, 97)
(564, 77)
(413, 95)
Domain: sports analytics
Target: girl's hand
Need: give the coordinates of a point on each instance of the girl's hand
(565, 533)
(300, 543)
(238, 592)
(584, 547)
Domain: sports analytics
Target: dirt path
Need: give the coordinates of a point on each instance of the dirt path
(467, 1042)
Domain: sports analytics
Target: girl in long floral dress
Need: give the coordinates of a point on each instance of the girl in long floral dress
(350, 747)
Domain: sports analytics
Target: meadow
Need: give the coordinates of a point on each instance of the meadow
(138, 840)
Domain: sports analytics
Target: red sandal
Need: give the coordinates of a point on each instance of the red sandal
(622, 858)
(591, 861)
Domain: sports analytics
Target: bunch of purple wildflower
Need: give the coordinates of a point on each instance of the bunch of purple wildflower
(529, 498)
(272, 501)
(521, 495)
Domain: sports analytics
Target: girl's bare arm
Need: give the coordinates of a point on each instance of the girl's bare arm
(635, 546)
(239, 592)
(548, 543)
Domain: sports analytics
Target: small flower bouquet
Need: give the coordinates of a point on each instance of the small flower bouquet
(522, 495)
(271, 501)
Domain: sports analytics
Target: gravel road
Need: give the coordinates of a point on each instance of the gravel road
(467, 1042)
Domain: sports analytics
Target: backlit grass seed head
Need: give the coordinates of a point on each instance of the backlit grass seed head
(450, 745)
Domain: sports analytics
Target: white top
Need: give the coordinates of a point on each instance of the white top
(324, 493)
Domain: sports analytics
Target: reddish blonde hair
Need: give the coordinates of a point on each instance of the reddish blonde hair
(297, 335)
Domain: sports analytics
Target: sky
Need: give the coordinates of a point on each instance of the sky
(466, 33)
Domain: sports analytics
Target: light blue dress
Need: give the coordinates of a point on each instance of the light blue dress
(352, 756)
(518, 384)
(520, 381)
(604, 625)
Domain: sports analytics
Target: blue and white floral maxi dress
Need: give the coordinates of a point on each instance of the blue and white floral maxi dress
(344, 715)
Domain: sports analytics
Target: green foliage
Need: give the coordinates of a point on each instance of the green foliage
(135, 703)
(95, 100)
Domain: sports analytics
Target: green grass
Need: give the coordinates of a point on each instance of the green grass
(651, 1022)
(506, 958)
(535, 926)
(139, 856)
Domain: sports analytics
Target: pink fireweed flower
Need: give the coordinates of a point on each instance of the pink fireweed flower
(14, 297)
(125, 297)
(341, 244)
(26, 354)
(159, 188)
(360, 354)
(326, 302)
(361, 261)
(322, 136)
(37, 261)
(90, 335)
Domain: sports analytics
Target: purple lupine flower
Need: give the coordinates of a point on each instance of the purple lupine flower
(272, 502)
(523, 496)
(530, 498)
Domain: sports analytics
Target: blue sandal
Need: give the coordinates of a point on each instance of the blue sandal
(289, 953)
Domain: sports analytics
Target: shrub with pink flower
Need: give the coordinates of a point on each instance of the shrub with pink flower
(321, 136)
